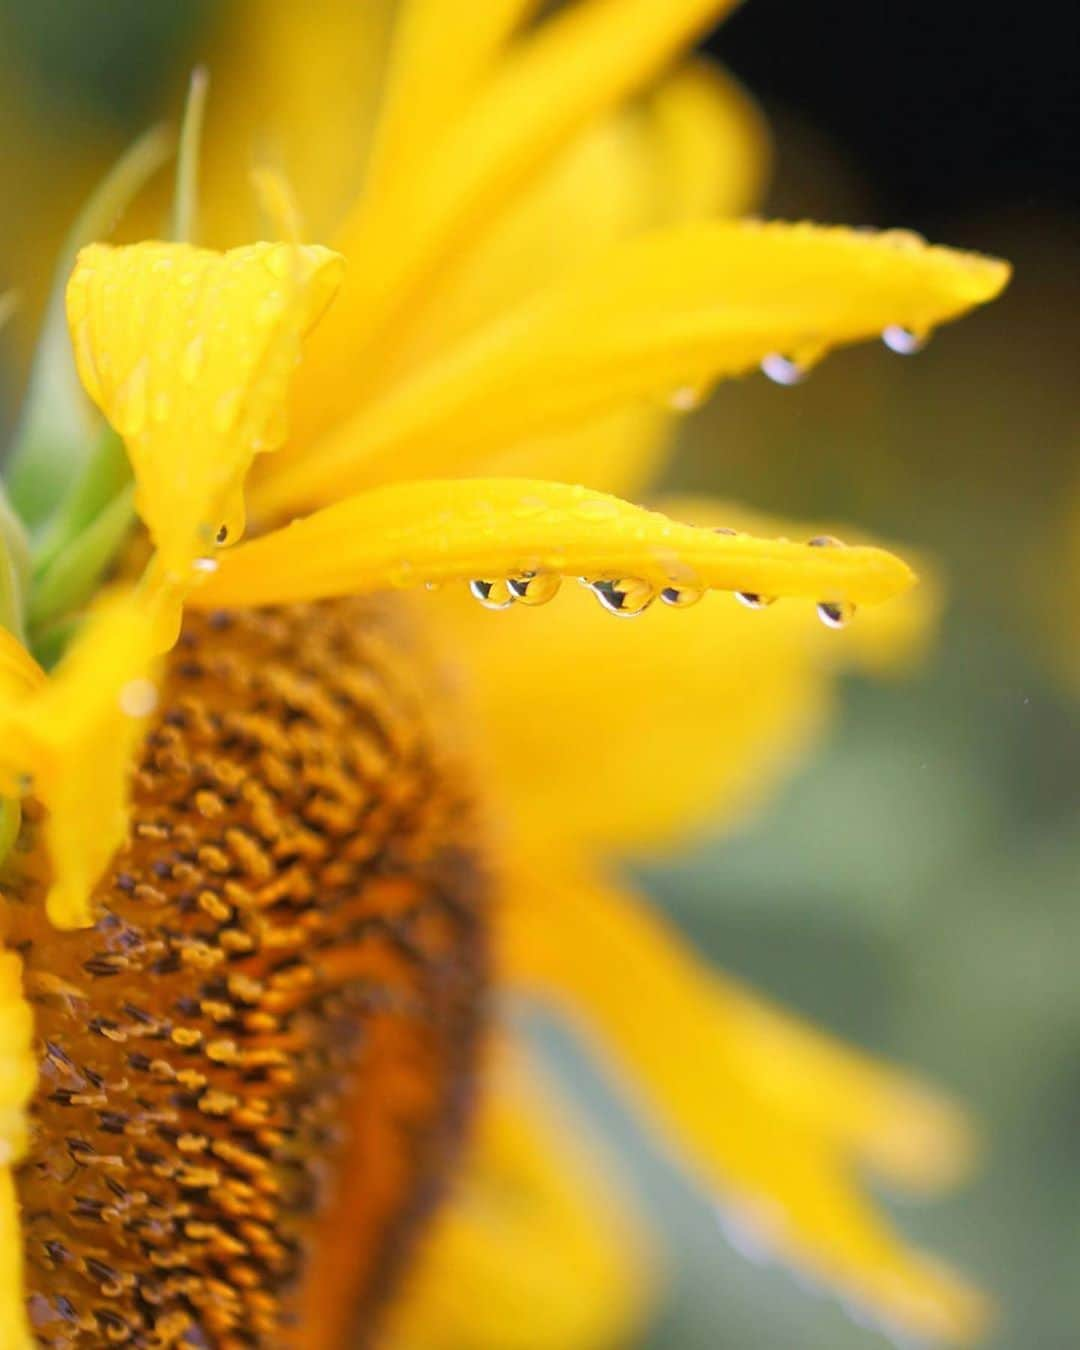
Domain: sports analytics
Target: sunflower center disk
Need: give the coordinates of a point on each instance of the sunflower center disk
(254, 1068)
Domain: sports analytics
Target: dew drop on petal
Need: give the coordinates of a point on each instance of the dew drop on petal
(681, 597)
(534, 588)
(753, 601)
(138, 698)
(626, 598)
(783, 369)
(824, 541)
(904, 341)
(491, 594)
(835, 613)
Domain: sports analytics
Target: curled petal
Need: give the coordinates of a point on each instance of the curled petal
(778, 1137)
(190, 354)
(414, 533)
(669, 311)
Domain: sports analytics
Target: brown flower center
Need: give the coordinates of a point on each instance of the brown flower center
(255, 1066)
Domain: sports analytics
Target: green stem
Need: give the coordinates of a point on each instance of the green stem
(186, 200)
(74, 573)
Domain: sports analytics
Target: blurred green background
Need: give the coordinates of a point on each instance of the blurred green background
(914, 887)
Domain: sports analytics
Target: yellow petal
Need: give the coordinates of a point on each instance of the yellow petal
(708, 709)
(783, 1165)
(74, 739)
(190, 354)
(671, 311)
(18, 1077)
(581, 62)
(430, 532)
(20, 674)
(293, 89)
(18, 1067)
(423, 90)
(710, 145)
(535, 1248)
(12, 1302)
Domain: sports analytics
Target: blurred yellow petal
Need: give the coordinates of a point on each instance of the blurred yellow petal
(640, 734)
(667, 312)
(710, 144)
(20, 674)
(293, 88)
(12, 1300)
(782, 1165)
(423, 89)
(535, 1248)
(572, 69)
(524, 530)
(693, 147)
(190, 354)
(18, 1077)
(18, 1066)
(73, 740)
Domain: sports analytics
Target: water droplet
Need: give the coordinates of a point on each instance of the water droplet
(783, 369)
(492, 594)
(681, 597)
(824, 541)
(222, 534)
(535, 588)
(207, 565)
(138, 698)
(626, 598)
(753, 601)
(724, 529)
(686, 398)
(835, 613)
(904, 341)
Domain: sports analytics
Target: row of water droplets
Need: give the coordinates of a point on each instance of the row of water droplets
(791, 369)
(788, 370)
(629, 597)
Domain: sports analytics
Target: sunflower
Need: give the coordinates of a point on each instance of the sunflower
(286, 803)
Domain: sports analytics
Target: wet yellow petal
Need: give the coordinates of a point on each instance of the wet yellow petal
(190, 354)
(535, 1248)
(640, 735)
(581, 62)
(782, 1164)
(430, 532)
(668, 312)
(73, 740)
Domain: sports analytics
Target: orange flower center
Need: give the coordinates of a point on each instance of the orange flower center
(255, 1066)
